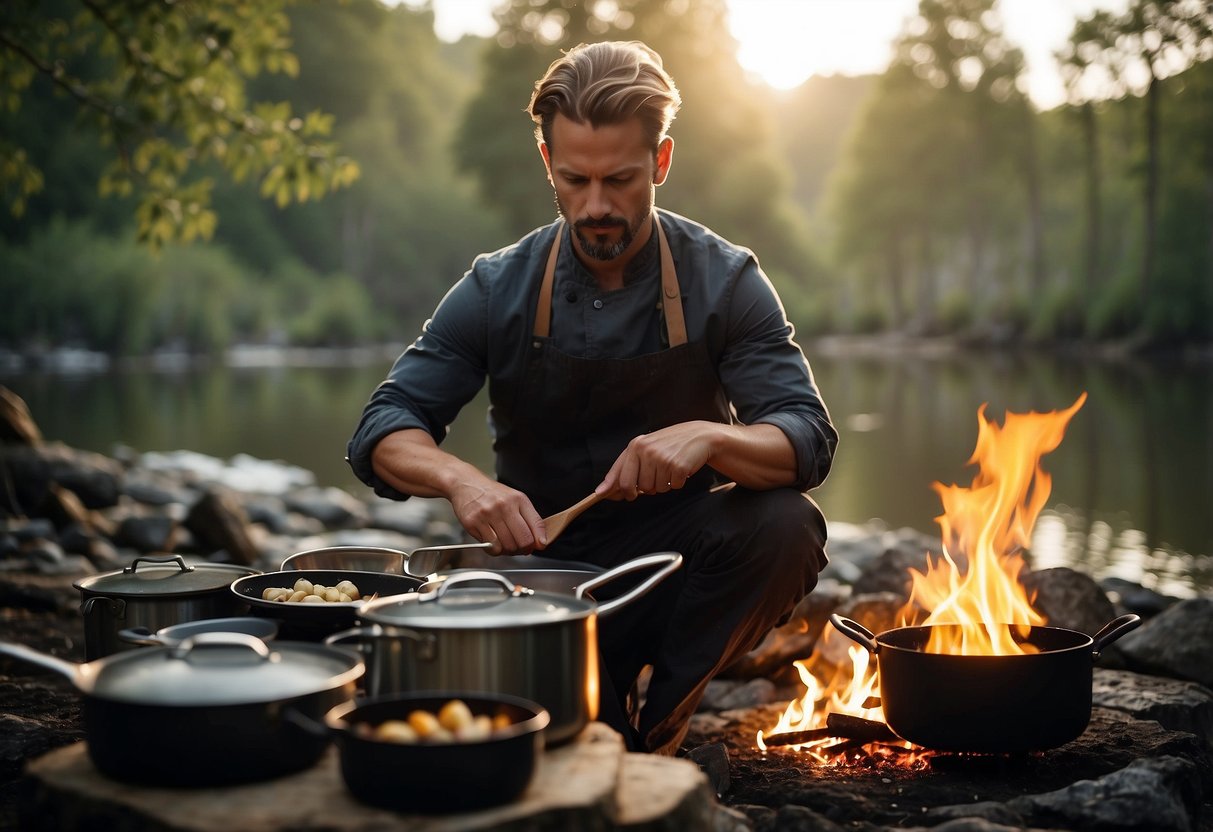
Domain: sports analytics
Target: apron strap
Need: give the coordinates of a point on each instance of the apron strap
(671, 299)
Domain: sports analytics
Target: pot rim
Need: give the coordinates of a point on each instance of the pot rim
(1083, 642)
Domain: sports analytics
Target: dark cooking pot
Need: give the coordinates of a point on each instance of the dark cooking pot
(437, 777)
(315, 622)
(1004, 704)
(207, 712)
(480, 632)
(154, 592)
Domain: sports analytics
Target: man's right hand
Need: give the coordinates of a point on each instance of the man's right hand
(411, 462)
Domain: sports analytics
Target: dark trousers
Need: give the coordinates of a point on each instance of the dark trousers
(748, 558)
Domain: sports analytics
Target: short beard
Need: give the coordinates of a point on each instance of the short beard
(602, 251)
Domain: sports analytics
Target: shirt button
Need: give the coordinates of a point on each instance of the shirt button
(597, 304)
(571, 297)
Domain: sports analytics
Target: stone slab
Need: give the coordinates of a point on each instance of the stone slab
(575, 787)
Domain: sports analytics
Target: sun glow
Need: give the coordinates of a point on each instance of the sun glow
(784, 42)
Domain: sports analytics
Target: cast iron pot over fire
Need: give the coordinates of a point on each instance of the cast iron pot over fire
(993, 704)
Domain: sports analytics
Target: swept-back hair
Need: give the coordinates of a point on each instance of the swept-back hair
(606, 83)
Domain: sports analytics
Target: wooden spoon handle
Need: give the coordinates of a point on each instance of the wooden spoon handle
(557, 523)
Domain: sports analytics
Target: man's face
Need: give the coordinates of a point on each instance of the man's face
(604, 180)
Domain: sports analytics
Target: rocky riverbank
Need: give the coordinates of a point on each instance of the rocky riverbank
(1145, 762)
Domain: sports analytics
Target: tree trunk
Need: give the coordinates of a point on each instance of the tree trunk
(1094, 215)
(897, 281)
(1035, 206)
(1151, 195)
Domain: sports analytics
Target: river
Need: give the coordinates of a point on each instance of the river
(1132, 481)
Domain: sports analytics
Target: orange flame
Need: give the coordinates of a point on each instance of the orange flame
(986, 527)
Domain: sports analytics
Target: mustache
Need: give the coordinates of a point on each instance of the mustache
(604, 222)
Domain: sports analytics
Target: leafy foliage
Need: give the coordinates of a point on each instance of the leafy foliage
(165, 84)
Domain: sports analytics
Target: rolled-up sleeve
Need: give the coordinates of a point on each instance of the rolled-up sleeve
(768, 379)
(430, 382)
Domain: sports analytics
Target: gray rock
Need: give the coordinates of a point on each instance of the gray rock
(410, 517)
(1069, 599)
(902, 550)
(1162, 795)
(218, 521)
(1177, 643)
(1173, 704)
(147, 533)
(333, 507)
(1133, 597)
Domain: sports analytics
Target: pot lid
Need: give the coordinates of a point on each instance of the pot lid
(154, 576)
(219, 669)
(476, 599)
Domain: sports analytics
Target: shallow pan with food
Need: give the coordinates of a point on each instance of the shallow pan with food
(438, 776)
(302, 621)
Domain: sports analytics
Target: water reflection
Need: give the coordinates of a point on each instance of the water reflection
(1132, 480)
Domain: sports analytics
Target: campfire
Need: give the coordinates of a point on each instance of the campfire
(973, 588)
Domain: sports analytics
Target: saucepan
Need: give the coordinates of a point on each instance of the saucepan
(479, 631)
(995, 704)
(209, 711)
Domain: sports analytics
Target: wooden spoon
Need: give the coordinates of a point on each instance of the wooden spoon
(429, 559)
(557, 523)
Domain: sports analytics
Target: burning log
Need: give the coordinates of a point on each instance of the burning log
(838, 726)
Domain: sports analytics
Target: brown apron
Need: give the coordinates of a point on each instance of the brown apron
(573, 416)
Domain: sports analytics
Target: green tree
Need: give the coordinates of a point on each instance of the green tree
(165, 85)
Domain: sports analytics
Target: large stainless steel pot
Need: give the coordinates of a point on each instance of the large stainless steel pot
(1004, 704)
(154, 592)
(213, 710)
(480, 632)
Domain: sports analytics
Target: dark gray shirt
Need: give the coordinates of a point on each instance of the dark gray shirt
(482, 329)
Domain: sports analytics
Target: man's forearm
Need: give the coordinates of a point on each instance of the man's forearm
(754, 456)
(411, 462)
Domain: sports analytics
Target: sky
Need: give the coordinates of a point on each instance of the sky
(783, 42)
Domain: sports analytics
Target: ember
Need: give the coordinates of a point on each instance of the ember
(974, 586)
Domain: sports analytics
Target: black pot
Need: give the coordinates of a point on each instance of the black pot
(208, 712)
(481, 632)
(438, 777)
(154, 592)
(995, 704)
(315, 622)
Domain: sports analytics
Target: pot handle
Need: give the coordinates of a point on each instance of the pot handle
(305, 723)
(46, 660)
(856, 632)
(141, 636)
(457, 578)
(669, 562)
(186, 646)
(1113, 630)
(180, 561)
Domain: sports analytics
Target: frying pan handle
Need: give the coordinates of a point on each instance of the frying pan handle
(28, 654)
(856, 632)
(671, 560)
(141, 636)
(1113, 630)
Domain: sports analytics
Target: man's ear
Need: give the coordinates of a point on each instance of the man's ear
(547, 158)
(665, 158)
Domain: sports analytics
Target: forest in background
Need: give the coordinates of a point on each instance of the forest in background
(931, 199)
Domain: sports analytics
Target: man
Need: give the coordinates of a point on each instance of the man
(633, 353)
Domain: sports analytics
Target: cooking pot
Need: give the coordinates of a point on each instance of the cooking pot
(437, 777)
(532, 571)
(1000, 704)
(207, 712)
(478, 631)
(265, 629)
(314, 622)
(154, 592)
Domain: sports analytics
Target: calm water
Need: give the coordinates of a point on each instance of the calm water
(1132, 480)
